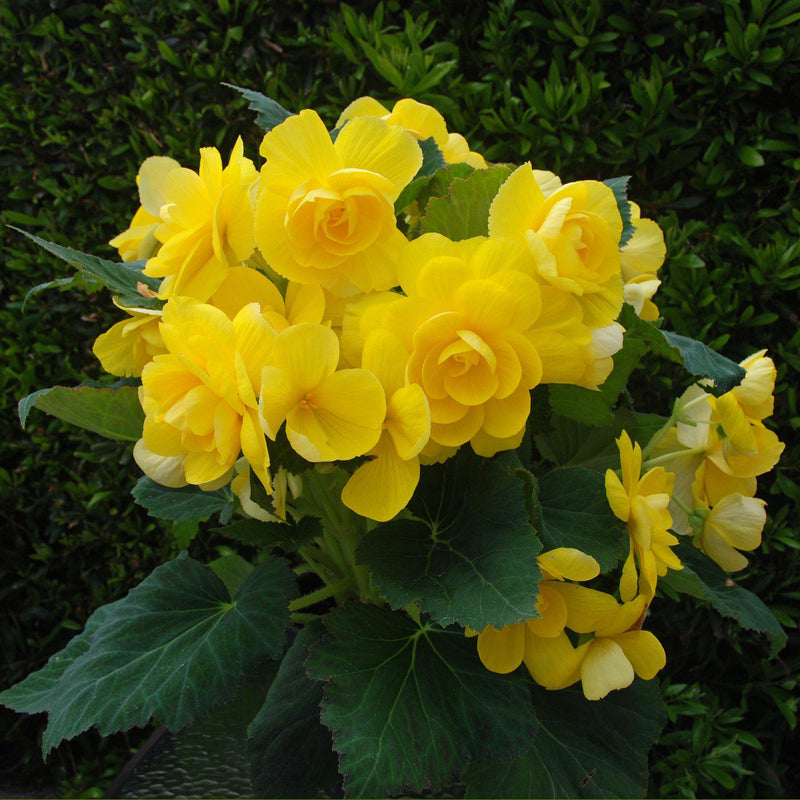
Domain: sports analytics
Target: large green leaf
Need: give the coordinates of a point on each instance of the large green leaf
(702, 578)
(469, 556)
(175, 646)
(291, 752)
(582, 748)
(114, 412)
(121, 278)
(269, 112)
(181, 505)
(464, 212)
(269, 534)
(411, 705)
(575, 513)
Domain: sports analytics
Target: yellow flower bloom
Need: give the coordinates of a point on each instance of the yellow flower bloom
(127, 346)
(422, 122)
(641, 258)
(330, 415)
(325, 212)
(207, 224)
(199, 398)
(642, 503)
(139, 240)
(464, 321)
(382, 486)
(573, 233)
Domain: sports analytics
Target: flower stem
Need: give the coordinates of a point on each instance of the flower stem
(323, 593)
(667, 457)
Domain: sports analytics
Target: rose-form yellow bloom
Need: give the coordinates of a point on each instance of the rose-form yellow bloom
(573, 233)
(330, 415)
(139, 241)
(382, 486)
(422, 122)
(641, 501)
(465, 320)
(207, 224)
(326, 210)
(199, 398)
(127, 346)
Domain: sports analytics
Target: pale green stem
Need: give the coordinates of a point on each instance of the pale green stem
(301, 618)
(667, 457)
(312, 598)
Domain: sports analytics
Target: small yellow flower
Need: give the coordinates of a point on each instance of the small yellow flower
(382, 486)
(330, 415)
(207, 224)
(325, 212)
(422, 122)
(128, 346)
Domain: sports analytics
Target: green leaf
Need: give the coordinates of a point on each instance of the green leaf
(704, 579)
(582, 748)
(290, 750)
(464, 212)
(122, 278)
(269, 113)
(271, 534)
(112, 412)
(469, 556)
(592, 406)
(77, 281)
(180, 505)
(175, 646)
(432, 160)
(410, 705)
(575, 513)
(750, 156)
(620, 188)
(699, 360)
(232, 570)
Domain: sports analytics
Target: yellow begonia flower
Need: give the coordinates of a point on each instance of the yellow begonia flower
(330, 415)
(139, 240)
(572, 233)
(642, 503)
(502, 651)
(199, 398)
(422, 122)
(207, 224)
(734, 523)
(325, 211)
(382, 486)
(617, 653)
(641, 257)
(127, 346)
(468, 309)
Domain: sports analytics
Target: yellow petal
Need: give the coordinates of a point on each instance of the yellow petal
(487, 446)
(644, 652)
(604, 668)
(504, 417)
(720, 551)
(255, 338)
(515, 205)
(551, 661)
(569, 563)
(385, 356)
(408, 420)
(243, 285)
(552, 610)
(587, 609)
(502, 651)
(308, 354)
(166, 470)
(362, 107)
(736, 425)
(617, 496)
(739, 520)
(382, 487)
(278, 396)
(373, 145)
(152, 177)
(254, 447)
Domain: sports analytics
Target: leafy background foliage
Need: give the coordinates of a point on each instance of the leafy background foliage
(696, 102)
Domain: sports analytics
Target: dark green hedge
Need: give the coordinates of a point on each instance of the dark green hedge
(697, 101)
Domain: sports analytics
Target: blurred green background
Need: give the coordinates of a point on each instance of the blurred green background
(698, 102)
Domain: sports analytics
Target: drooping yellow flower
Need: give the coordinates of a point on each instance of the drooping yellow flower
(464, 321)
(207, 224)
(330, 415)
(734, 523)
(382, 486)
(127, 346)
(139, 240)
(641, 257)
(199, 398)
(573, 233)
(325, 212)
(641, 501)
(422, 122)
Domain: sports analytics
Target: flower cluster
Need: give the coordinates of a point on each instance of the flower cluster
(303, 307)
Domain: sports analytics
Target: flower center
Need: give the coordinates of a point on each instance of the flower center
(309, 401)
